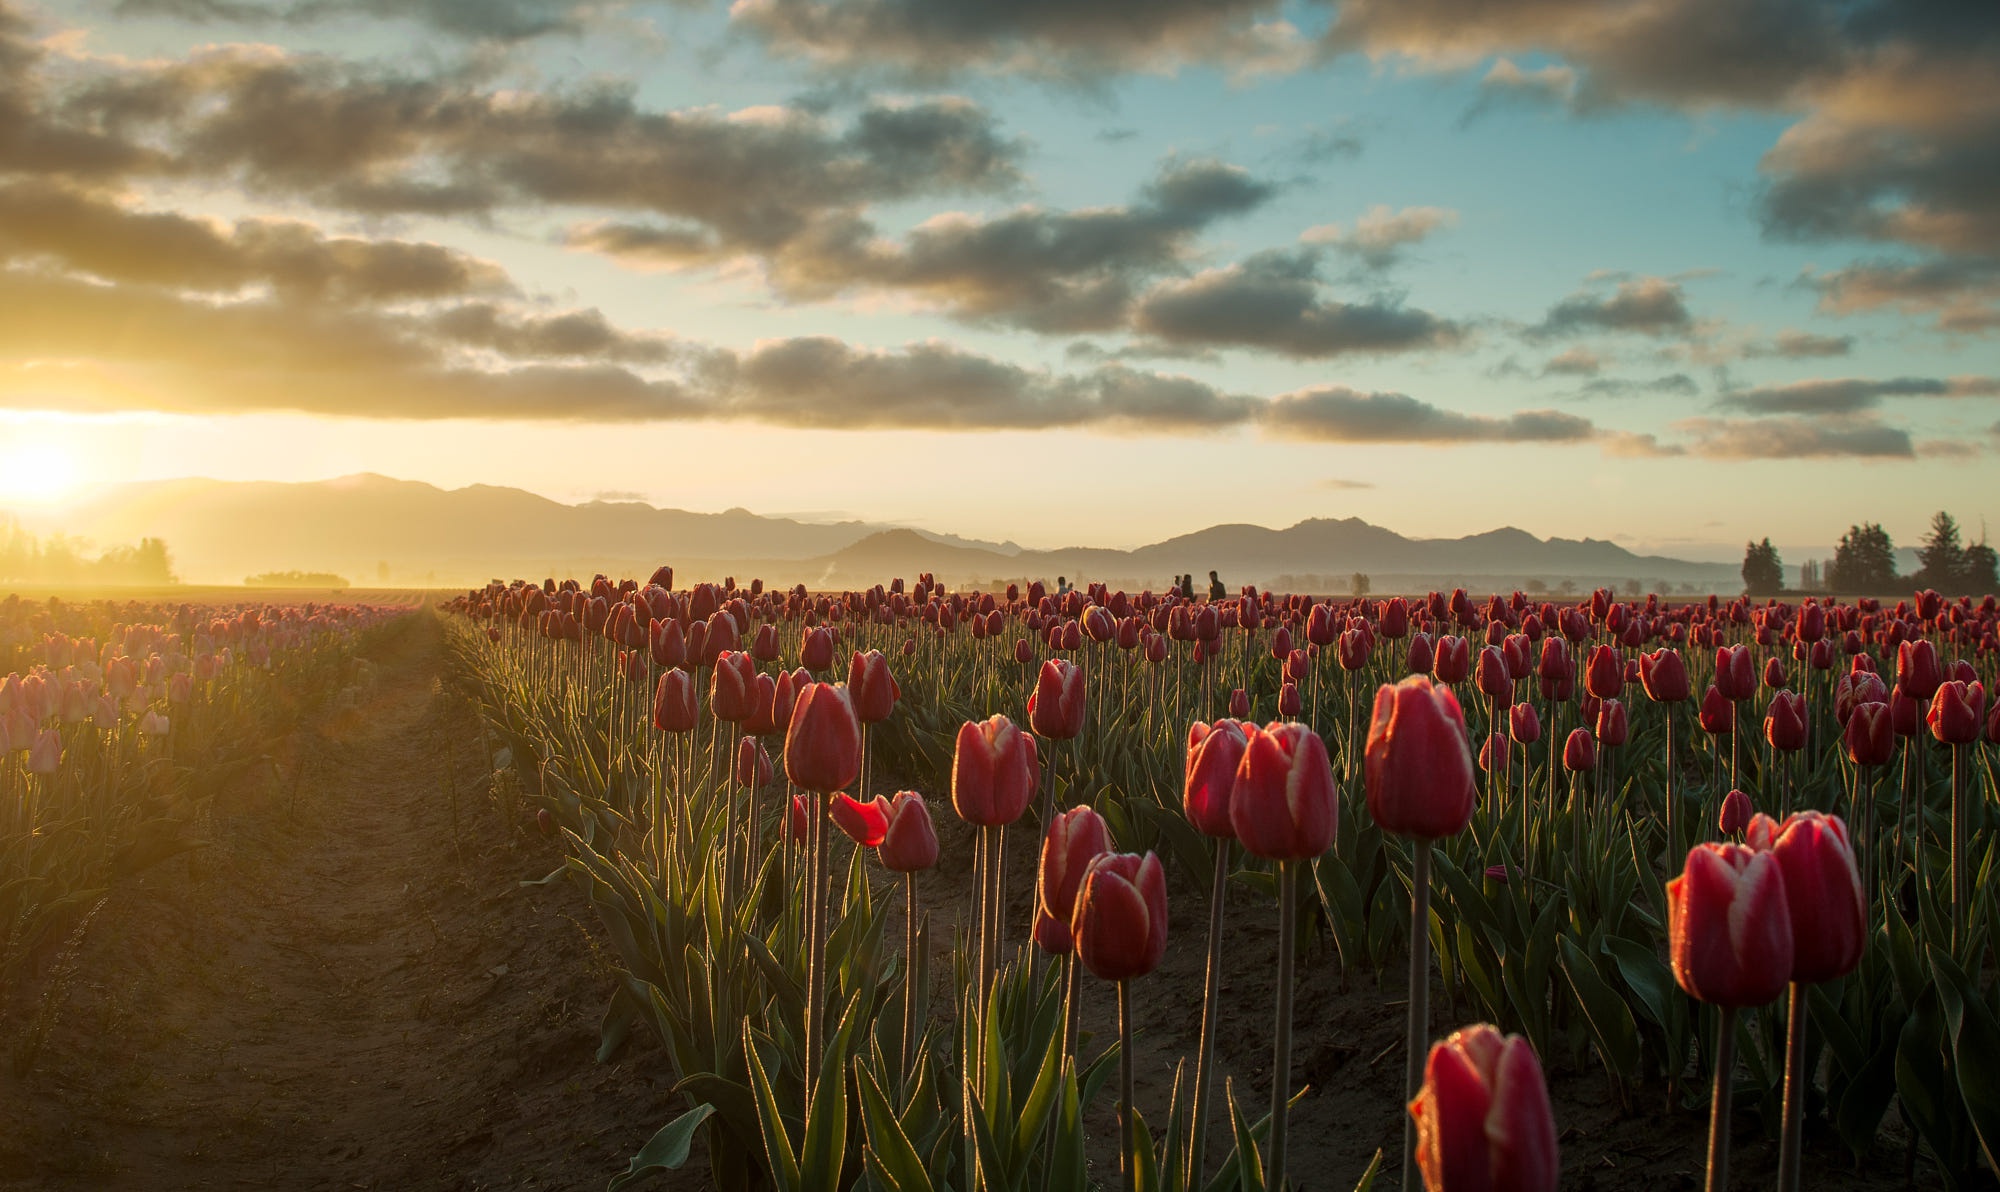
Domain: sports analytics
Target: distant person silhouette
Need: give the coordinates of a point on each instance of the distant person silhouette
(1062, 585)
(1215, 589)
(1186, 584)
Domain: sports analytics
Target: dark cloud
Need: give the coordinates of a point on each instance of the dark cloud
(1576, 362)
(1047, 271)
(580, 335)
(1071, 40)
(1274, 300)
(1802, 345)
(1671, 385)
(1338, 414)
(1961, 292)
(1850, 395)
(285, 126)
(1795, 437)
(1647, 306)
(475, 20)
(90, 234)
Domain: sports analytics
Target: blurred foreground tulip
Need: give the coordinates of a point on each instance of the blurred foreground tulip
(1482, 1116)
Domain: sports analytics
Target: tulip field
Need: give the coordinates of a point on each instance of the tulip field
(118, 721)
(861, 856)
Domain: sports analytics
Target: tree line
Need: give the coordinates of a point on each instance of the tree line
(1864, 563)
(60, 559)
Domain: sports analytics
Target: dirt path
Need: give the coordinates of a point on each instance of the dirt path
(337, 993)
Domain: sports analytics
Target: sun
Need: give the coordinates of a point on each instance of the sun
(37, 474)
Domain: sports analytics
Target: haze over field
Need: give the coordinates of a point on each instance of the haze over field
(1670, 275)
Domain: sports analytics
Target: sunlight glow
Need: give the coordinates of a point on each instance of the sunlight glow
(37, 473)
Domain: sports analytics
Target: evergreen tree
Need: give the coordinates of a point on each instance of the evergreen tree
(1982, 569)
(1942, 557)
(1864, 563)
(1763, 571)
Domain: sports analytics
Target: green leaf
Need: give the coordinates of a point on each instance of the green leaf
(1610, 1018)
(1650, 981)
(1145, 1165)
(666, 1150)
(778, 1152)
(1975, 1044)
(891, 1157)
(1367, 1181)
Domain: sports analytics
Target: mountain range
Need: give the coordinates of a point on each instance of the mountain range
(377, 530)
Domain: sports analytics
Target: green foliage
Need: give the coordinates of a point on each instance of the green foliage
(1763, 570)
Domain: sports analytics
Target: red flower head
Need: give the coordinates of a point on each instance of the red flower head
(1120, 921)
(1213, 753)
(1418, 761)
(1055, 709)
(994, 772)
(1483, 1118)
(1282, 804)
(1729, 926)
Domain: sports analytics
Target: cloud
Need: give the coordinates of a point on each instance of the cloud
(1339, 485)
(90, 234)
(1043, 270)
(1506, 84)
(1962, 292)
(1851, 395)
(1646, 306)
(1673, 384)
(1802, 345)
(474, 20)
(388, 144)
(1335, 413)
(578, 335)
(1576, 362)
(1793, 437)
(1274, 300)
(1073, 41)
(1380, 236)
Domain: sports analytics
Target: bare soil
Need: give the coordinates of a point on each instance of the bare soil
(348, 988)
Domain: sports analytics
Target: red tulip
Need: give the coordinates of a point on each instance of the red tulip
(911, 843)
(1604, 672)
(1120, 922)
(1422, 654)
(764, 648)
(1051, 934)
(1555, 673)
(1282, 804)
(816, 650)
(753, 764)
(1956, 712)
(796, 823)
(1288, 700)
(1493, 753)
(1393, 617)
(1213, 753)
(1074, 840)
(994, 772)
(673, 702)
(1614, 727)
(1492, 676)
(1854, 689)
(1822, 891)
(1239, 704)
(1418, 761)
(1870, 735)
(1483, 1118)
(1717, 716)
(1734, 676)
(823, 739)
(1905, 713)
(1524, 724)
(1729, 927)
(1355, 647)
(1917, 670)
(1737, 813)
(872, 687)
(731, 694)
(667, 643)
(1774, 673)
(1579, 751)
(1023, 652)
(1785, 722)
(1453, 661)
(866, 823)
(1055, 709)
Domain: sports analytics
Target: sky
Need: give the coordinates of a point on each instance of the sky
(1674, 273)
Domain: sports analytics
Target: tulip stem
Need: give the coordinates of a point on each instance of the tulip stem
(1211, 998)
(909, 976)
(1420, 1002)
(1281, 1051)
(1718, 1106)
(1673, 840)
(1128, 1136)
(1795, 1080)
(1960, 891)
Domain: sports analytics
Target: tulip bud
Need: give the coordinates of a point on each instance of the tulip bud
(1282, 804)
(994, 772)
(1870, 735)
(823, 739)
(1213, 753)
(911, 843)
(1482, 1116)
(1421, 656)
(1734, 676)
(1055, 709)
(1288, 700)
(1579, 751)
(1493, 753)
(1737, 813)
(1854, 689)
(1774, 674)
(1355, 647)
(1785, 722)
(797, 821)
(1239, 704)
(1492, 677)
(673, 702)
(753, 764)
(1555, 673)
(1453, 661)
(872, 688)
(1524, 724)
(1917, 670)
(1956, 712)
(1717, 716)
(1051, 934)
(1614, 727)
(1729, 926)
(1604, 672)
(1418, 761)
(731, 694)
(1822, 892)
(816, 650)
(1074, 840)
(1120, 922)
(45, 754)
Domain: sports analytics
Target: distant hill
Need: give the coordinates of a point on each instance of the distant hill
(381, 530)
